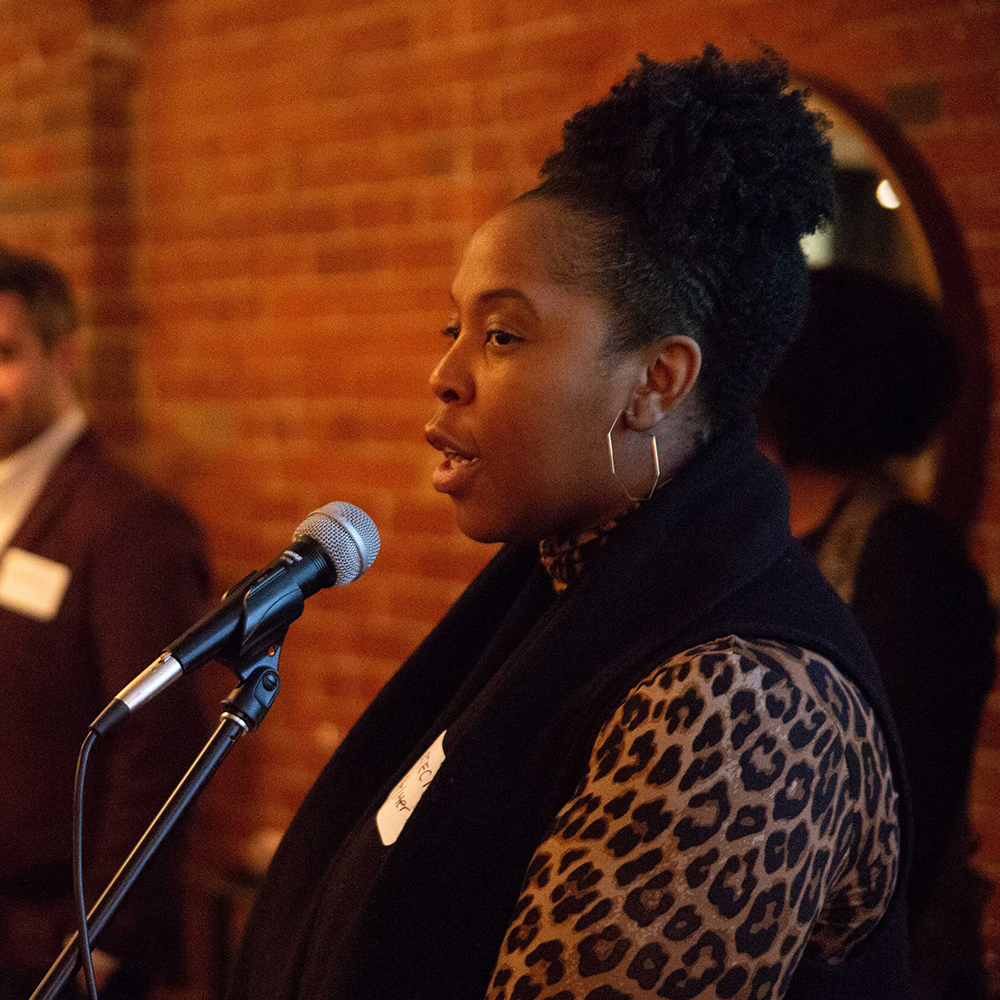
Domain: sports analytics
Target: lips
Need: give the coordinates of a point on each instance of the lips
(460, 464)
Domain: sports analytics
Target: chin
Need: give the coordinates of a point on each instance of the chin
(488, 527)
(480, 531)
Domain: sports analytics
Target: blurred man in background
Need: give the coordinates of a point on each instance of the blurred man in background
(98, 572)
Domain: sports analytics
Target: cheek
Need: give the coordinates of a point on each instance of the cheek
(551, 440)
(520, 421)
(583, 417)
(11, 384)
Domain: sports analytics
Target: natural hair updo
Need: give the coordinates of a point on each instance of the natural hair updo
(690, 186)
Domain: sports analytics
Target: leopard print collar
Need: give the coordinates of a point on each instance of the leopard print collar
(564, 558)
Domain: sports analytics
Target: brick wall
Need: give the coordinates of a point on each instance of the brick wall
(66, 77)
(284, 205)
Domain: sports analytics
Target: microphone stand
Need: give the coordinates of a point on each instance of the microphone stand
(243, 709)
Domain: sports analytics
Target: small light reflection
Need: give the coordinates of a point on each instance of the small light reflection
(818, 247)
(887, 198)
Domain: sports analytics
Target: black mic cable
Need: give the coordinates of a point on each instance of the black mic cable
(83, 932)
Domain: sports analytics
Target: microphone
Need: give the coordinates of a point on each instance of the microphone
(334, 545)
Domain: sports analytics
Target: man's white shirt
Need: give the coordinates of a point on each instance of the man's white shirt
(23, 475)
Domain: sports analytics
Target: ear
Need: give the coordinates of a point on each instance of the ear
(672, 370)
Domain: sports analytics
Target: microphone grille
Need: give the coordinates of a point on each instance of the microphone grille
(347, 535)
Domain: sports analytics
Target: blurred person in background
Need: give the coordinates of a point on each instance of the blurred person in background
(868, 382)
(98, 572)
(647, 752)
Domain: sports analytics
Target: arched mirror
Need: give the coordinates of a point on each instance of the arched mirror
(892, 219)
(876, 226)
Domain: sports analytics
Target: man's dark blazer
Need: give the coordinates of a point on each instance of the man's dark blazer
(139, 578)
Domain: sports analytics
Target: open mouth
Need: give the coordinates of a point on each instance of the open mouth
(455, 472)
(457, 458)
(457, 468)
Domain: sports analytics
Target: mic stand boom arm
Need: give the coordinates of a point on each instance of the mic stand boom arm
(243, 710)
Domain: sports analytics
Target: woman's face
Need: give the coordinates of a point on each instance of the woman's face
(526, 391)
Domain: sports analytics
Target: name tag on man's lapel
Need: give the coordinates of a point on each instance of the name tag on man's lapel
(32, 585)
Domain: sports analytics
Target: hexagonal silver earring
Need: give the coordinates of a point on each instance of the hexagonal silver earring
(614, 472)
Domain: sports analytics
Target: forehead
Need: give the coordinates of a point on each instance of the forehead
(14, 320)
(513, 249)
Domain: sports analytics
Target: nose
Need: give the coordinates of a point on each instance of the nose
(451, 381)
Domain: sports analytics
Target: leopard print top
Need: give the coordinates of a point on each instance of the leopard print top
(738, 812)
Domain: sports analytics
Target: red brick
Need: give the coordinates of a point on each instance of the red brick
(362, 256)
(288, 215)
(316, 217)
(425, 513)
(958, 154)
(468, 201)
(385, 211)
(375, 35)
(329, 166)
(240, 177)
(971, 94)
(361, 420)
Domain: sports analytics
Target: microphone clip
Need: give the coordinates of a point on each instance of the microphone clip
(248, 703)
(266, 609)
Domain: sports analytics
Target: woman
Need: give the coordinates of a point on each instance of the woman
(867, 383)
(656, 762)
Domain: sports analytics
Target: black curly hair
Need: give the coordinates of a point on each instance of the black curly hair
(870, 377)
(691, 184)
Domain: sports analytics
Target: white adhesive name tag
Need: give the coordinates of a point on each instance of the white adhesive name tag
(403, 799)
(32, 585)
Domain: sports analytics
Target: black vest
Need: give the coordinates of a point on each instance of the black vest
(523, 682)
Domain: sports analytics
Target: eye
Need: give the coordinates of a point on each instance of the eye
(451, 331)
(502, 338)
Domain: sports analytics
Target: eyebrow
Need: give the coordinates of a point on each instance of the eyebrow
(492, 294)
